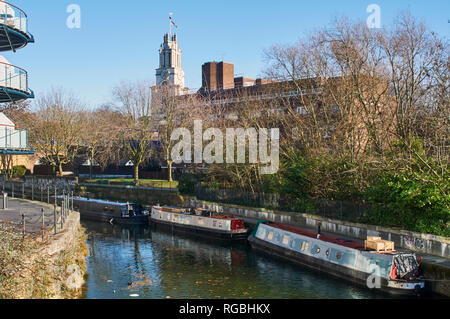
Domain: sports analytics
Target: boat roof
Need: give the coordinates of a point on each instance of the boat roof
(100, 201)
(323, 237)
(178, 210)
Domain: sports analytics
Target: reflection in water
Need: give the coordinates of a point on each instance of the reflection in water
(127, 260)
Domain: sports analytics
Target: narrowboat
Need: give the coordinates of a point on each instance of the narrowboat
(199, 222)
(390, 271)
(108, 211)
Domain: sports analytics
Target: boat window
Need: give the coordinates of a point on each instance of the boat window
(327, 252)
(286, 240)
(318, 250)
(305, 246)
(338, 256)
(270, 236)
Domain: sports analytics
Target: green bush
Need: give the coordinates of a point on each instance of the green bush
(19, 171)
(187, 183)
(416, 202)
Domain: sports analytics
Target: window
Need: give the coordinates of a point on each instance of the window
(286, 240)
(305, 246)
(270, 236)
(338, 256)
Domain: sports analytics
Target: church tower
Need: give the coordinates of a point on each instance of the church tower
(170, 72)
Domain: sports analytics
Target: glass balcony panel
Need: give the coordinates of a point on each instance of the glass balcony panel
(13, 17)
(13, 77)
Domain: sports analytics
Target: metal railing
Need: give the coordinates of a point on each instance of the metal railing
(13, 77)
(41, 224)
(13, 17)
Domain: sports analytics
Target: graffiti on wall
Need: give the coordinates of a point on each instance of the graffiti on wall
(414, 243)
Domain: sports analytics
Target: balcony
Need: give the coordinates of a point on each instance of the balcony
(13, 84)
(13, 28)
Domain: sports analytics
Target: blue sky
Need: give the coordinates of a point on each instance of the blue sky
(119, 40)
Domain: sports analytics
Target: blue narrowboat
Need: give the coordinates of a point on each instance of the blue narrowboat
(390, 271)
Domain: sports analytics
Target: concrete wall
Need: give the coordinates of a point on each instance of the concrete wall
(142, 195)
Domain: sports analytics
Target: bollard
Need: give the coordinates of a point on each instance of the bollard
(54, 218)
(43, 223)
(62, 219)
(5, 200)
(23, 224)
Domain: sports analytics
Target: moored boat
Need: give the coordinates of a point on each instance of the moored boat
(108, 211)
(199, 222)
(390, 271)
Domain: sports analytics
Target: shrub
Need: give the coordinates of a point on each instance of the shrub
(187, 183)
(19, 171)
(415, 201)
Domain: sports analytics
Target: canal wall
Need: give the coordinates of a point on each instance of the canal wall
(142, 195)
(47, 265)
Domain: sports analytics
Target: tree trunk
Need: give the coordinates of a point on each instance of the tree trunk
(90, 164)
(170, 171)
(60, 169)
(136, 174)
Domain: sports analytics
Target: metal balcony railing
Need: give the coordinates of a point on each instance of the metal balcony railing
(13, 77)
(13, 17)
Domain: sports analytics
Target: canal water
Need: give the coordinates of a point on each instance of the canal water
(140, 262)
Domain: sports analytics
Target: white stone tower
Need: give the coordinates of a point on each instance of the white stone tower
(170, 72)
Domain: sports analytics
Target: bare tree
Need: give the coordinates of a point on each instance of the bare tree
(172, 112)
(57, 128)
(137, 130)
(100, 136)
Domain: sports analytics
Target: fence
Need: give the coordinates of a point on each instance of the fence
(343, 210)
(34, 224)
